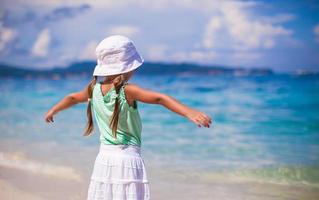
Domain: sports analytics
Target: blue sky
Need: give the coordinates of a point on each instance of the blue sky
(282, 35)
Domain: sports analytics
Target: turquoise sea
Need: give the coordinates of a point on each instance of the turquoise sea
(265, 128)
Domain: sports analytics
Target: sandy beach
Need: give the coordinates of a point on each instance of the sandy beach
(28, 171)
(21, 184)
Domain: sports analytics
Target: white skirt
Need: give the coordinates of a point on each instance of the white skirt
(119, 174)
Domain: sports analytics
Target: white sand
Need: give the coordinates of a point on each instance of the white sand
(9, 191)
(69, 179)
(20, 184)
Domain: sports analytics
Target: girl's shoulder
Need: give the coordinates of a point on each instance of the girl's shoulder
(143, 94)
(131, 86)
(127, 95)
(128, 89)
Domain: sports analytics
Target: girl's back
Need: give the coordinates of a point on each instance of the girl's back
(129, 123)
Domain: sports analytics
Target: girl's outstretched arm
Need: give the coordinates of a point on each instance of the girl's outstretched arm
(68, 101)
(147, 96)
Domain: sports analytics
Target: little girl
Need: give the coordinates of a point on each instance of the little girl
(119, 171)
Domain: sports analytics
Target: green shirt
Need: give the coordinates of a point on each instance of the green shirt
(129, 126)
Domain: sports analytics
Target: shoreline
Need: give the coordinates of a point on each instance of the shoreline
(67, 177)
(25, 185)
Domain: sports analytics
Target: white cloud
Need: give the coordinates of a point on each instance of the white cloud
(163, 52)
(203, 56)
(212, 27)
(6, 36)
(243, 30)
(126, 30)
(246, 57)
(204, 5)
(279, 18)
(51, 3)
(157, 52)
(235, 31)
(42, 43)
(193, 56)
(316, 31)
(89, 51)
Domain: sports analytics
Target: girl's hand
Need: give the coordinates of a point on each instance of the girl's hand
(49, 116)
(199, 118)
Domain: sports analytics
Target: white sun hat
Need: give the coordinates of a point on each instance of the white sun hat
(116, 54)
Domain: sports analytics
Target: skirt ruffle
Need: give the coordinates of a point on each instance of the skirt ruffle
(119, 173)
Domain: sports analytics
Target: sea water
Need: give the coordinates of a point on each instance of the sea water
(264, 127)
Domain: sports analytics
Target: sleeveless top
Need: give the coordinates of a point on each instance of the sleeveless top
(129, 124)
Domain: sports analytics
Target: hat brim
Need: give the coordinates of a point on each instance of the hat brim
(113, 69)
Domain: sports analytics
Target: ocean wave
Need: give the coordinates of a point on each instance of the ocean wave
(300, 175)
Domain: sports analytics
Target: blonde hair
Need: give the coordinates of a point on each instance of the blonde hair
(118, 81)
